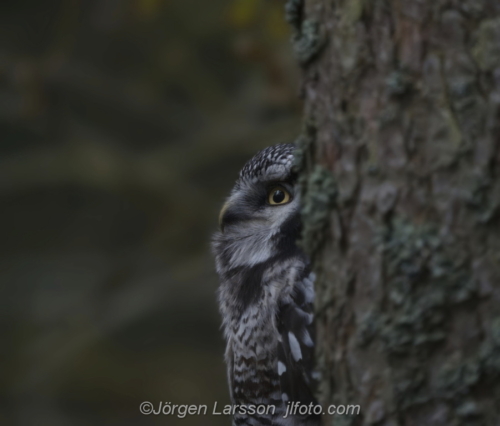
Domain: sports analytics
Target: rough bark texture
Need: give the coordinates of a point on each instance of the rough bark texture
(401, 205)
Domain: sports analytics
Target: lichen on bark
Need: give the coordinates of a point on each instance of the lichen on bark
(307, 38)
(404, 157)
(318, 193)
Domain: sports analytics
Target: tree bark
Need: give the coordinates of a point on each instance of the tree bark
(401, 201)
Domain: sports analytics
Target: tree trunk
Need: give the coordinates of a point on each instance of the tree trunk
(401, 188)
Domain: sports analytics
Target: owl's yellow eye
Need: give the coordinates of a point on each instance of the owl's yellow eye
(278, 195)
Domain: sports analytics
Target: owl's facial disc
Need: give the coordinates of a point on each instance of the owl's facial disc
(261, 216)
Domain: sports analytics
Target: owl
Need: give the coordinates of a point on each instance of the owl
(266, 293)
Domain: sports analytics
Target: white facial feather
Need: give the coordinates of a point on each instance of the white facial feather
(250, 241)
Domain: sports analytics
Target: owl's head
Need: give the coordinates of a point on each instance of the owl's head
(260, 220)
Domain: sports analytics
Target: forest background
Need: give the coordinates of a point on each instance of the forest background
(123, 126)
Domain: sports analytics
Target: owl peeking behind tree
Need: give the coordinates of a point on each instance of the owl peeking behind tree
(266, 292)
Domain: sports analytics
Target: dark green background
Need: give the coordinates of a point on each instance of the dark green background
(123, 125)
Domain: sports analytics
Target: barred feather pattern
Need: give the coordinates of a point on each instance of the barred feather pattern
(269, 350)
(266, 295)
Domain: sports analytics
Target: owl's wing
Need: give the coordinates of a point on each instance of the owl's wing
(296, 347)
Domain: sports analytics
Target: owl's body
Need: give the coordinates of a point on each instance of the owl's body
(266, 292)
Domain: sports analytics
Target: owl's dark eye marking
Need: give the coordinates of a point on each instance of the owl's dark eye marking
(278, 196)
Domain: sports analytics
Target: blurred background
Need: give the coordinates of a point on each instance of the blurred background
(123, 126)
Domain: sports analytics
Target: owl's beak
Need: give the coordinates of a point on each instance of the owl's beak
(221, 215)
(232, 213)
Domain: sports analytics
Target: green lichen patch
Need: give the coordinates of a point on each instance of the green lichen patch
(308, 42)
(318, 191)
(489, 354)
(409, 389)
(368, 328)
(486, 50)
(472, 8)
(307, 39)
(456, 380)
(398, 83)
(319, 199)
(425, 279)
(293, 13)
(407, 248)
(467, 106)
(303, 152)
(468, 409)
(415, 326)
(483, 199)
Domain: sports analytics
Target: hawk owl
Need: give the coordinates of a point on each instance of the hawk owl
(266, 292)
